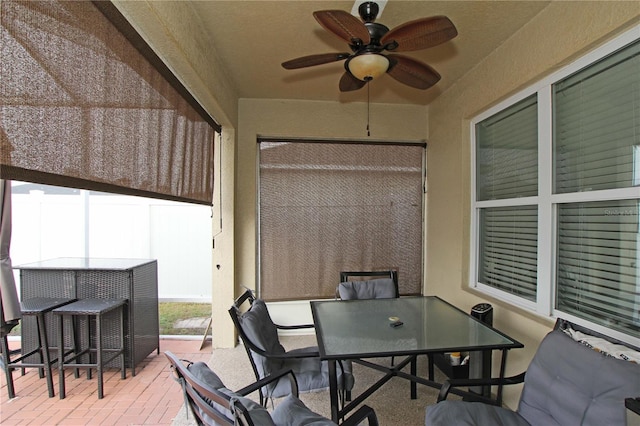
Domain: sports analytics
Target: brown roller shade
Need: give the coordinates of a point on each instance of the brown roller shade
(85, 103)
(327, 207)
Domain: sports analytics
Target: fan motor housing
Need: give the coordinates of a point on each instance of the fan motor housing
(376, 32)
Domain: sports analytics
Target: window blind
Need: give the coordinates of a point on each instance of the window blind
(86, 104)
(509, 249)
(507, 153)
(327, 207)
(599, 262)
(597, 124)
(596, 140)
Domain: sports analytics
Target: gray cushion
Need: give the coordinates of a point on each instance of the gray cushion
(311, 373)
(459, 413)
(292, 412)
(258, 413)
(569, 383)
(380, 288)
(260, 329)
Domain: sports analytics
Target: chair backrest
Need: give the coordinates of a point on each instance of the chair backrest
(368, 285)
(210, 401)
(259, 334)
(568, 382)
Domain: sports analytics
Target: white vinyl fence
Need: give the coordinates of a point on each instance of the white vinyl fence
(50, 222)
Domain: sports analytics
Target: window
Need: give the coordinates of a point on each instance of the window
(327, 207)
(556, 193)
(507, 171)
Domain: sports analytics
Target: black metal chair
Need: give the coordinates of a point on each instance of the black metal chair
(267, 355)
(368, 285)
(213, 404)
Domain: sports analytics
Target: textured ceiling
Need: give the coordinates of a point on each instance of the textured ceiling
(253, 38)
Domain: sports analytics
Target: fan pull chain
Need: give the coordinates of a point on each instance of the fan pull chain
(368, 114)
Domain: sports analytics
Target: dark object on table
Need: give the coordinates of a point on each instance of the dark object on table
(480, 361)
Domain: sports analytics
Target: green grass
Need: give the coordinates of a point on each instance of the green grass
(170, 312)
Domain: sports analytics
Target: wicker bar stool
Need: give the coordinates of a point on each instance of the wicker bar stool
(95, 309)
(38, 307)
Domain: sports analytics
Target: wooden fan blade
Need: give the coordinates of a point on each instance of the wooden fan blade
(411, 72)
(344, 25)
(349, 83)
(419, 34)
(312, 60)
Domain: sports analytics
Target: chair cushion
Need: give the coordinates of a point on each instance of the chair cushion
(260, 329)
(312, 374)
(292, 412)
(380, 288)
(569, 383)
(460, 413)
(258, 413)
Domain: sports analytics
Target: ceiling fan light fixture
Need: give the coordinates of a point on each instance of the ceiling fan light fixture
(368, 66)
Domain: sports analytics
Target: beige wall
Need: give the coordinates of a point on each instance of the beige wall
(560, 33)
(186, 53)
(305, 119)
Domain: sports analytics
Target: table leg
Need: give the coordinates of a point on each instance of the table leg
(333, 390)
(61, 390)
(414, 372)
(123, 365)
(6, 359)
(45, 356)
(99, 355)
(89, 372)
(503, 364)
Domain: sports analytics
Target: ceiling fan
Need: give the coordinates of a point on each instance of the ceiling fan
(369, 40)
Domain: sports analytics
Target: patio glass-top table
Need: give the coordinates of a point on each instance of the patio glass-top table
(357, 329)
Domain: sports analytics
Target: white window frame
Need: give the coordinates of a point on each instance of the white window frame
(545, 200)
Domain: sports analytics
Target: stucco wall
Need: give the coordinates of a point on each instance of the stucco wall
(305, 119)
(559, 34)
(184, 50)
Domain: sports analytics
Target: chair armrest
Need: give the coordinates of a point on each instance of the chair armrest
(454, 383)
(294, 327)
(247, 295)
(362, 413)
(290, 355)
(271, 378)
(286, 355)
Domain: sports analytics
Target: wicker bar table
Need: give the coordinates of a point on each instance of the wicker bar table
(100, 278)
